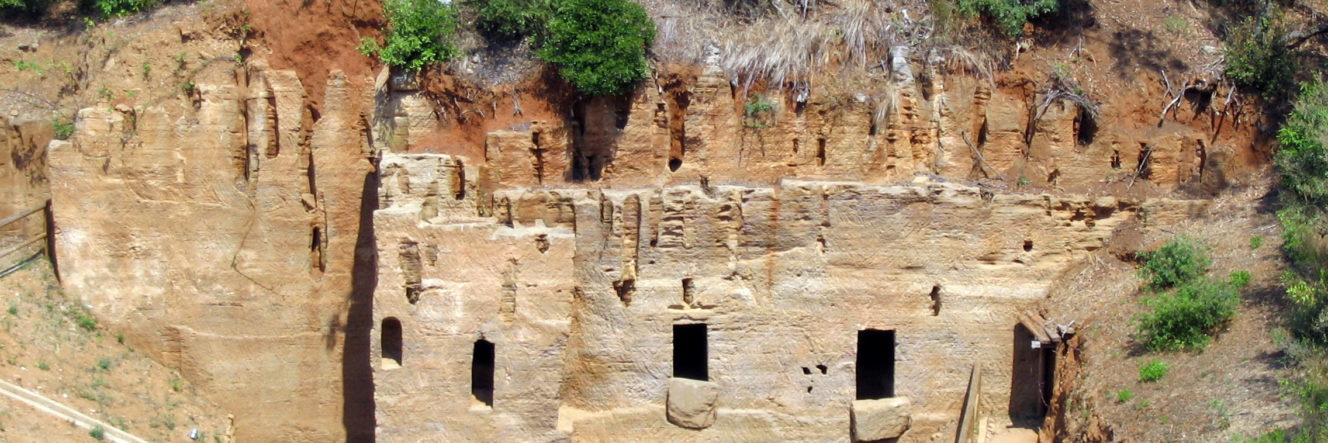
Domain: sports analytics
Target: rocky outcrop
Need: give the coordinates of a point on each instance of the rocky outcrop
(579, 290)
(221, 236)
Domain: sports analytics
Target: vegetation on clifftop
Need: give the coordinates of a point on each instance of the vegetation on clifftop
(418, 34)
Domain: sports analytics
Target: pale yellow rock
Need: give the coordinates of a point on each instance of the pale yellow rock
(692, 403)
(881, 418)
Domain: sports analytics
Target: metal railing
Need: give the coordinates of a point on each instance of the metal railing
(14, 256)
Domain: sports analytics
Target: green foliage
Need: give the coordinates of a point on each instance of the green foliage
(13, 309)
(758, 111)
(1256, 242)
(1184, 319)
(1257, 56)
(1153, 371)
(1277, 436)
(120, 8)
(599, 46)
(419, 33)
(63, 128)
(85, 321)
(1179, 261)
(29, 7)
(98, 433)
(1124, 395)
(511, 19)
(1240, 279)
(104, 364)
(1008, 15)
(1302, 157)
(43, 365)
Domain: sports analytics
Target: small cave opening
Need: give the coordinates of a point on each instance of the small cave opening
(674, 164)
(1115, 159)
(391, 343)
(690, 352)
(820, 152)
(625, 288)
(935, 300)
(1085, 127)
(688, 292)
(823, 368)
(1144, 167)
(459, 186)
(481, 372)
(875, 369)
(806, 370)
(982, 134)
(316, 260)
(1028, 246)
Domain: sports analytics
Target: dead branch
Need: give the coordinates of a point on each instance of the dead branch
(982, 161)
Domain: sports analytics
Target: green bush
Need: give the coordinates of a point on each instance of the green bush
(599, 46)
(419, 33)
(30, 7)
(119, 8)
(1124, 395)
(1302, 157)
(1240, 279)
(511, 19)
(1256, 242)
(1257, 56)
(1179, 261)
(1184, 319)
(97, 433)
(1008, 15)
(1153, 371)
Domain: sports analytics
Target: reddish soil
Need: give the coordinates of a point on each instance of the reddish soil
(314, 37)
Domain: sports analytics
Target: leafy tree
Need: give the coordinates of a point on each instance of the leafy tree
(599, 46)
(1258, 57)
(1008, 15)
(511, 19)
(419, 34)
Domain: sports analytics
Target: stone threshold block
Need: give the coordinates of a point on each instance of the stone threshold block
(880, 419)
(692, 403)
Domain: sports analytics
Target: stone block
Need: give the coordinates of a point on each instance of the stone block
(692, 403)
(880, 419)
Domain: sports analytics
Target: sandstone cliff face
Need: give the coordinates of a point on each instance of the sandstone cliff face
(222, 235)
(221, 232)
(578, 291)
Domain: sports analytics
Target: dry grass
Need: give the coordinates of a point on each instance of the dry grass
(785, 43)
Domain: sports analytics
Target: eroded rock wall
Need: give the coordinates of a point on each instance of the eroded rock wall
(220, 235)
(578, 291)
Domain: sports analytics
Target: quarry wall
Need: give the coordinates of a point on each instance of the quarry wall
(257, 244)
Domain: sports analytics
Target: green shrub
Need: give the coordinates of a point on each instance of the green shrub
(1240, 279)
(1256, 242)
(1179, 261)
(85, 321)
(1124, 395)
(29, 7)
(1257, 56)
(599, 46)
(98, 433)
(1302, 158)
(63, 128)
(511, 19)
(1008, 15)
(120, 8)
(1153, 371)
(1184, 319)
(104, 364)
(419, 33)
